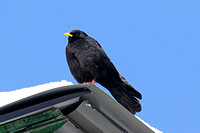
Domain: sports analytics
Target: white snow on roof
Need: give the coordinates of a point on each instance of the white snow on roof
(11, 96)
(152, 128)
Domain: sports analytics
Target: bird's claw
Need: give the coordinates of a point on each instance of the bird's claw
(93, 81)
(85, 82)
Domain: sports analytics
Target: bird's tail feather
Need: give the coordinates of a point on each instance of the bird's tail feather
(129, 88)
(122, 95)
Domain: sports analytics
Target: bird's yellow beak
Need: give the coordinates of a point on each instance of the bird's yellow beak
(68, 34)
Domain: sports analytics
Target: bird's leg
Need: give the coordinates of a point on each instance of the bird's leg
(85, 82)
(93, 81)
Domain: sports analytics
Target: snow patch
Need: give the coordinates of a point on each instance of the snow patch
(11, 96)
(152, 128)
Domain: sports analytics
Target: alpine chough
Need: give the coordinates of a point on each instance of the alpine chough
(88, 63)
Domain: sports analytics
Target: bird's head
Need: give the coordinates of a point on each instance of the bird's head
(75, 34)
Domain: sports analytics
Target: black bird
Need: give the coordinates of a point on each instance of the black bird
(88, 63)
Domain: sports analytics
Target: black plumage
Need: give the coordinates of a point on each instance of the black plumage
(87, 61)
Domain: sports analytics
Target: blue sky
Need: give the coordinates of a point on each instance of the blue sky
(154, 44)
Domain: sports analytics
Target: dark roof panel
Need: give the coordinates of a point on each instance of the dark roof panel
(87, 107)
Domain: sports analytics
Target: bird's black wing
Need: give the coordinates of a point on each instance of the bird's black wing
(100, 58)
(118, 77)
